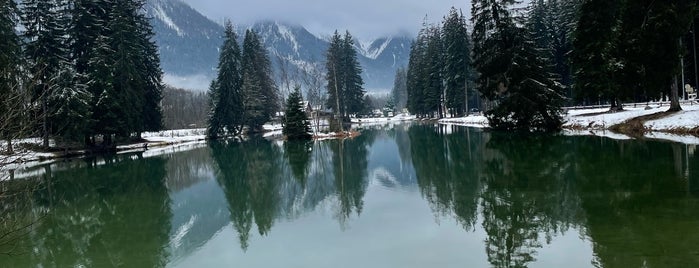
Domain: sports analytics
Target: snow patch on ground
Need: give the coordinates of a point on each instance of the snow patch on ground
(400, 117)
(596, 121)
(688, 118)
(477, 121)
(583, 119)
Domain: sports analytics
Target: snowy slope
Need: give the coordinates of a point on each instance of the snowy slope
(189, 44)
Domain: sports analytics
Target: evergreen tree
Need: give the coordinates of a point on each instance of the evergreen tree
(45, 34)
(107, 116)
(260, 96)
(150, 73)
(433, 91)
(10, 60)
(533, 100)
(352, 72)
(345, 83)
(334, 72)
(296, 124)
(512, 69)
(646, 75)
(562, 16)
(225, 90)
(457, 62)
(415, 83)
(89, 23)
(595, 59)
(70, 104)
(399, 93)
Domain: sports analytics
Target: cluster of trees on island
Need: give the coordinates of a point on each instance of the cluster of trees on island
(244, 95)
(77, 70)
(526, 62)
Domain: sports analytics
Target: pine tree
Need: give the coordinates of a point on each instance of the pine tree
(352, 71)
(399, 93)
(433, 91)
(70, 104)
(457, 62)
(296, 124)
(594, 55)
(334, 72)
(10, 60)
(647, 75)
(533, 100)
(562, 16)
(260, 95)
(89, 23)
(150, 73)
(345, 83)
(107, 117)
(512, 69)
(416, 79)
(225, 91)
(45, 51)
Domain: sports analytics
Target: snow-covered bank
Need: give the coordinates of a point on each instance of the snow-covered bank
(397, 118)
(155, 143)
(597, 121)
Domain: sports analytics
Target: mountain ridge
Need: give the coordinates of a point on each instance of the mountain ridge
(189, 45)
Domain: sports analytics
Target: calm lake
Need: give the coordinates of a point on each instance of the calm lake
(396, 196)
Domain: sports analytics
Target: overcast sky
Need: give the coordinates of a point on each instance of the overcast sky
(365, 19)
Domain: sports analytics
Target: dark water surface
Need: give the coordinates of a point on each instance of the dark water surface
(397, 196)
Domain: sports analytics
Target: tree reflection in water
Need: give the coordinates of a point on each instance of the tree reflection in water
(635, 201)
(113, 214)
(632, 199)
(249, 173)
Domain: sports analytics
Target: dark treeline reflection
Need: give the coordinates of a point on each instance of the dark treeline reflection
(112, 212)
(264, 181)
(637, 202)
(632, 199)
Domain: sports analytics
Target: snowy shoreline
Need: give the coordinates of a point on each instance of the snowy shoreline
(579, 122)
(597, 122)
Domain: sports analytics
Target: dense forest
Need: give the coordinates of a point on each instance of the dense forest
(521, 64)
(80, 71)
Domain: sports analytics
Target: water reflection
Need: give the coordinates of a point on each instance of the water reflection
(633, 202)
(115, 214)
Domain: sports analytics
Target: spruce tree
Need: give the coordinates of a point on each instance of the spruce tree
(344, 77)
(70, 104)
(150, 73)
(107, 118)
(562, 17)
(353, 83)
(296, 124)
(512, 69)
(416, 79)
(595, 56)
(45, 34)
(260, 95)
(457, 62)
(399, 93)
(433, 91)
(335, 83)
(10, 60)
(648, 75)
(225, 91)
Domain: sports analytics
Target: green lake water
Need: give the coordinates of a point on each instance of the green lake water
(396, 196)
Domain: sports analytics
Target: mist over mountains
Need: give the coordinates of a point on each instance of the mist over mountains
(189, 46)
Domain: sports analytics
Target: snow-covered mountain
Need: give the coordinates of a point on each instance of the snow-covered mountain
(189, 44)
